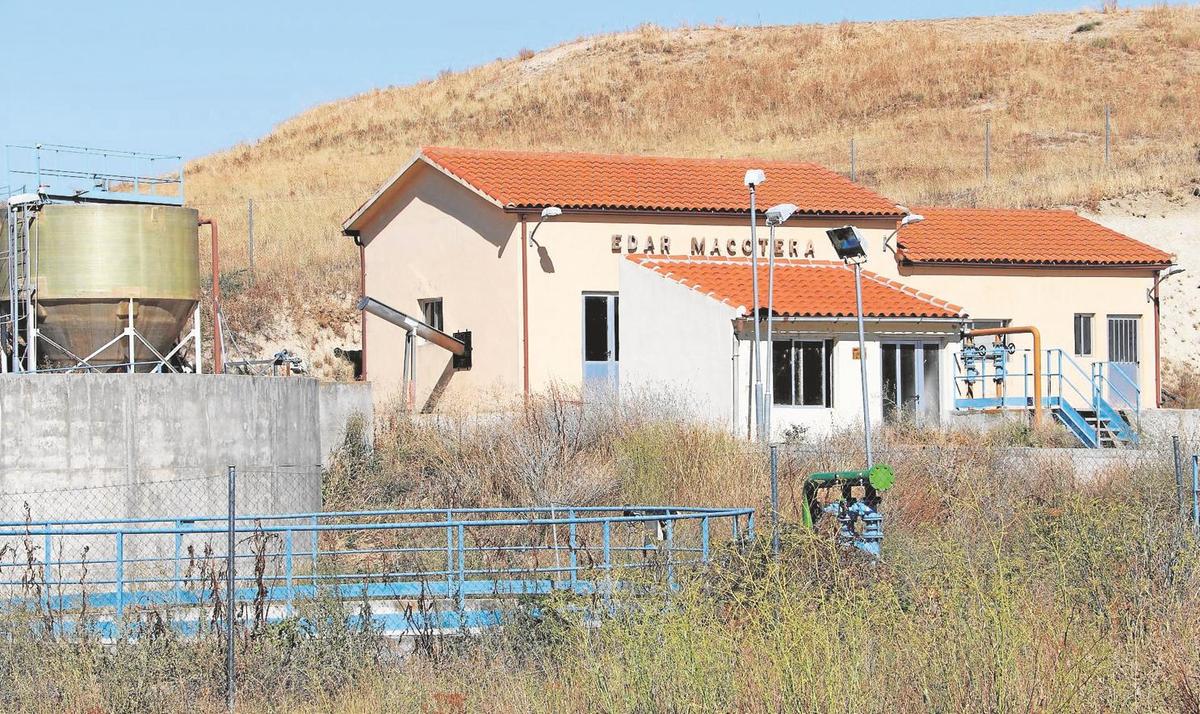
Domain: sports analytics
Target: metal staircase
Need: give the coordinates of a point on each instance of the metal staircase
(986, 380)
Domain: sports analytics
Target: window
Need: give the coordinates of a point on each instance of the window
(1123, 338)
(802, 373)
(431, 309)
(1083, 334)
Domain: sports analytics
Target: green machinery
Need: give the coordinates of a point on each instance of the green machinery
(856, 509)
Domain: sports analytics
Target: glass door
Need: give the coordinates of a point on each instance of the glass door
(911, 382)
(601, 345)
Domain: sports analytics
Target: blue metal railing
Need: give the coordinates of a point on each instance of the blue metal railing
(463, 558)
(1062, 392)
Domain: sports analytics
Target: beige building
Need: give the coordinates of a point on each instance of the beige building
(456, 238)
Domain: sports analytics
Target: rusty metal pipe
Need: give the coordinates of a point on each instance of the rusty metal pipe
(524, 311)
(1037, 360)
(218, 342)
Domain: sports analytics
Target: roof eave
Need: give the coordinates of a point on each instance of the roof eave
(1016, 264)
(528, 208)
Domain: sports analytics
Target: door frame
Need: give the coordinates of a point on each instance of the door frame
(919, 368)
(613, 335)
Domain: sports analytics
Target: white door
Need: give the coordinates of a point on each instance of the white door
(1122, 374)
(601, 345)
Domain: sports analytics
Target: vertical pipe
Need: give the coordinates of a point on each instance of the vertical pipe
(608, 564)
(862, 364)
(670, 553)
(756, 352)
(362, 319)
(524, 310)
(775, 499)
(230, 593)
(704, 540)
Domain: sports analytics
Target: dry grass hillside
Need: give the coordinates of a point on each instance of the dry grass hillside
(914, 96)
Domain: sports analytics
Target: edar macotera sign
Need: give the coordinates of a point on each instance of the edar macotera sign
(662, 245)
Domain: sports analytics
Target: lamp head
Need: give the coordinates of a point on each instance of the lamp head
(551, 212)
(911, 218)
(778, 214)
(754, 177)
(848, 243)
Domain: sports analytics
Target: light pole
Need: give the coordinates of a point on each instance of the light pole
(754, 177)
(851, 248)
(776, 215)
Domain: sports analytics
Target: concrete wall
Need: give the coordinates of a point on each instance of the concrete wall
(123, 446)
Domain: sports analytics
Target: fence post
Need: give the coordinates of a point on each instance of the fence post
(47, 567)
(987, 151)
(608, 563)
(288, 570)
(775, 499)
(1178, 475)
(704, 540)
(230, 592)
(449, 553)
(572, 558)
(316, 546)
(250, 231)
(1196, 491)
(120, 582)
(1107, 133)
(462, 567)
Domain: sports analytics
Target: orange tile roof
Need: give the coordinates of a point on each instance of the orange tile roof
(803, 288)
(520, 179)
(1027, 237)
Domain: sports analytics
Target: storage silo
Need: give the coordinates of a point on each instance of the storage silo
(90, 265)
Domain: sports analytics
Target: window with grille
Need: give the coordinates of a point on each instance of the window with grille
(1122, 338)
(802, 372)
(431, 310)
(1083, 334)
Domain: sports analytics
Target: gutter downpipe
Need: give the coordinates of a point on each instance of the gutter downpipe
(1157, 342)
(218, 350)
(362, 320)
(1037, 360)
(524, 310)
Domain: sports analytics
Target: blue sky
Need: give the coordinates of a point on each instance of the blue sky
(196, 76)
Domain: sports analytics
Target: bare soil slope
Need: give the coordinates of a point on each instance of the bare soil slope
(915, 97)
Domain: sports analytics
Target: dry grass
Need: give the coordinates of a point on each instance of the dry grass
(914, 96)
(1007, 586)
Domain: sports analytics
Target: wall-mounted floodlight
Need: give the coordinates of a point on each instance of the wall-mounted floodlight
(754, 177)
(547, 213)
(848, 243)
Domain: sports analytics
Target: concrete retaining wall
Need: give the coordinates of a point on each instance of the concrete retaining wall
(124, 446)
